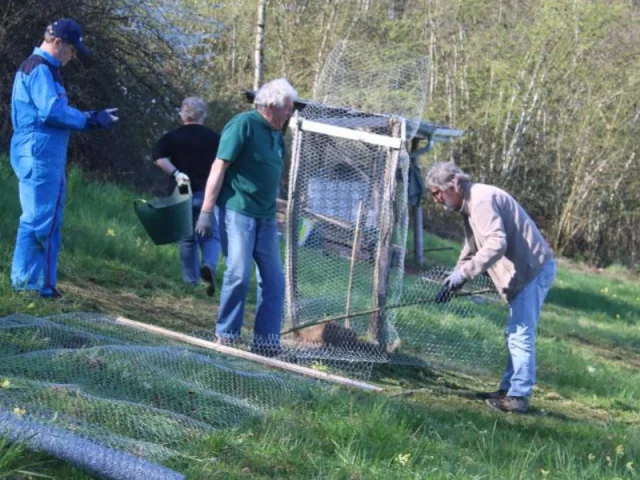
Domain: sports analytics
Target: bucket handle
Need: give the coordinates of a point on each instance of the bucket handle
(184, 189)
(144, 202)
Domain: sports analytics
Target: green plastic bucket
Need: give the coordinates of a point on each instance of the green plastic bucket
(167, 219)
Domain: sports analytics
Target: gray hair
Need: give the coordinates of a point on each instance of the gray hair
(49, 36)
(275, 93)
(442, 175)
(193, 109)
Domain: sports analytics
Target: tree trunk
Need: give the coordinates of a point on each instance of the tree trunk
(262, 14)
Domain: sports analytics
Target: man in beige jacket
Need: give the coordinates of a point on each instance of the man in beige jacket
(502, 240)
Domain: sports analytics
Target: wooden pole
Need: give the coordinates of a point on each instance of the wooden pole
(291, 233)
(354, 256)
(351, 134)
(377, 327)
(386, 307)
(235, 352)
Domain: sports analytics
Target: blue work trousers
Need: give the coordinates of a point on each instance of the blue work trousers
(42, 187)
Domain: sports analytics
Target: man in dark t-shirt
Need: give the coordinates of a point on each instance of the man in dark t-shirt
(186, 154)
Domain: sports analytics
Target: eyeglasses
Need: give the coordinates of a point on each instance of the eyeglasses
(435, 193)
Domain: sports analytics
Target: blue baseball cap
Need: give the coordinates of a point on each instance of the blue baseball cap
(70, 32)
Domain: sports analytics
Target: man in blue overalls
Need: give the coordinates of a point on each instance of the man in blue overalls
(42, 121)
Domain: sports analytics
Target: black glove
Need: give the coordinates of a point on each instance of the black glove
(100, 119)
(444, 295)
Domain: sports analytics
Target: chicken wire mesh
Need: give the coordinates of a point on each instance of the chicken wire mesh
(77, 384)
(458, 334)
(379, 79)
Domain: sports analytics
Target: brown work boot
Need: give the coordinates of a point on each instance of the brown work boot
(491, 395)
(509, 404)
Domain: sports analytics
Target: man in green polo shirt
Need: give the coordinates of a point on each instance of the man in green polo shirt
(243, 183)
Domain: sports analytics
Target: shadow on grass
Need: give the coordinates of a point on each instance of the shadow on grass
(592, 302)
(459, 391)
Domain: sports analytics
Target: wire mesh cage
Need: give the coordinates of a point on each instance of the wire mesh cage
(345, 234)
(348, 301)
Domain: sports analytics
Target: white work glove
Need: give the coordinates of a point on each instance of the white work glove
(181, 178)
(204, 225)
(454, 282)
(111, 112)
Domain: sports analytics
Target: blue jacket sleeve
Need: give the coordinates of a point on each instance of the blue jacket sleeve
(53, 106)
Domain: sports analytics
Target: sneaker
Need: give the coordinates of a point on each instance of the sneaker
(509, 404)
(206, 274)
(491, 395)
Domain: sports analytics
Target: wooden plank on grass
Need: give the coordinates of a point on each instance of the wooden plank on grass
(235, 352)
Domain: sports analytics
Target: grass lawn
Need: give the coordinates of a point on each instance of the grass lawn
(586, 408)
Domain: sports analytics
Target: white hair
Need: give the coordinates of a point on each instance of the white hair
(442, 175)
(193, 109)
(275, 94)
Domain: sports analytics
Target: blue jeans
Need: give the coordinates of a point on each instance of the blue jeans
(244, 240)
(520, 334)
(209, 247)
